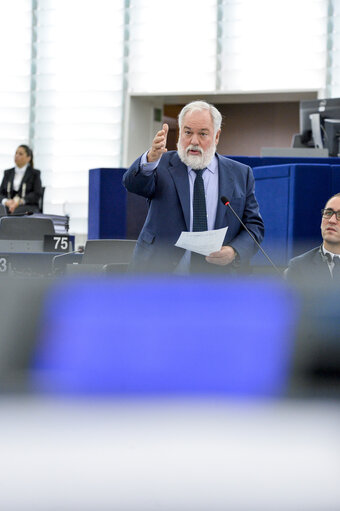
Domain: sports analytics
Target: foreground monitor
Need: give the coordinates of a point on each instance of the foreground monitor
(167, 335)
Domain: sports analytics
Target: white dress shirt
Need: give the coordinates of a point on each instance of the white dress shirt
(18, 175)
(330, 261)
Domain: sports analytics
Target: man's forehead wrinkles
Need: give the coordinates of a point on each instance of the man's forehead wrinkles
(190, 128)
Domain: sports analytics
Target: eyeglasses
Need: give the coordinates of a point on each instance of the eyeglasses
(328, 213)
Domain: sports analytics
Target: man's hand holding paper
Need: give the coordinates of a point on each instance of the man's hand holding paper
(203, 242)
(209, 244)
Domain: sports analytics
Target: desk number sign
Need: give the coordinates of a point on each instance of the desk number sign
(57, 243)
(4, 265)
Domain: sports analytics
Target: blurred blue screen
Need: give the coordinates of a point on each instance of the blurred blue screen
(166, 335)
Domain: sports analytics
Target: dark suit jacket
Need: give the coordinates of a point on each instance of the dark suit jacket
(169, 212)
(33, 186)
(310, 267)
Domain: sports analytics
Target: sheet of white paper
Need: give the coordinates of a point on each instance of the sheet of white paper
(203, 242)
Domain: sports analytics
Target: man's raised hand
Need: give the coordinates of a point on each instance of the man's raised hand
(158, 144)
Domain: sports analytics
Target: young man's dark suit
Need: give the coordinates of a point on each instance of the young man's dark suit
(310, 265)
(33, 189)
(169, 213)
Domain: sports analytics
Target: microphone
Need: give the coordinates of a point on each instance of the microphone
(226, 202)
(80, 250)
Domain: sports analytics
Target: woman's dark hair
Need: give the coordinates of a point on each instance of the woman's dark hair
(29, 152)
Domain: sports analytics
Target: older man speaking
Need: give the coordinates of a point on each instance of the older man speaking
(184, 190)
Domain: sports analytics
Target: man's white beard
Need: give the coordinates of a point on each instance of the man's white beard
(201, 161)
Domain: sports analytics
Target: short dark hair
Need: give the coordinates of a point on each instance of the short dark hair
(335, 195)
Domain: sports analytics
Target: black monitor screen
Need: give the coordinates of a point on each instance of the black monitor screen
(332, 135)
(327, 109)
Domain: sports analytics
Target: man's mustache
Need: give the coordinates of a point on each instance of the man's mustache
(194, 148)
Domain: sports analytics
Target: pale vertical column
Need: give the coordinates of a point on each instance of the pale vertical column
(79, 98)
(274, 45)
(15, 69)
(172, 46)
(333, 50)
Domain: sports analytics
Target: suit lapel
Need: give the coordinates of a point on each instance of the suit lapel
(321, 265)
(26, 175)
(226, 187)
(10, 183)
(25, 178)
(179, 173)
(11, 176)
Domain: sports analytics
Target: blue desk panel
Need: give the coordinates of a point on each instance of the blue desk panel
(290, 191)
(107, 204)
(290, 198)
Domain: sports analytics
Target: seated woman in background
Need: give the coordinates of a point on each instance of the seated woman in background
(20, 189)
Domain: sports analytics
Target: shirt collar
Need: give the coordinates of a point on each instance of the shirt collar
(212, 167)
(21, 170)
(331, 254)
